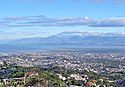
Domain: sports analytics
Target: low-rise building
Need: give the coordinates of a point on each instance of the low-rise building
(16, 81)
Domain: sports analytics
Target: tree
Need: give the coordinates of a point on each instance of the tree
(5, 63)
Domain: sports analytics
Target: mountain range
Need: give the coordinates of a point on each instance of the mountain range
(78, 38)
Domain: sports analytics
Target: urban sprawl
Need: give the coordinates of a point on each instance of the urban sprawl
(63, 69)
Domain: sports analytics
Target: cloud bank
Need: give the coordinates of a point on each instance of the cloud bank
(43, 21)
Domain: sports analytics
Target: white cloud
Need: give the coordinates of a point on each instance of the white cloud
(43, 21)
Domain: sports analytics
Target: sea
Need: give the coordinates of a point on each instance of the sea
(11, 48)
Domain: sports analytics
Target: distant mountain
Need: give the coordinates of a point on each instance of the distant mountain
(78, 38)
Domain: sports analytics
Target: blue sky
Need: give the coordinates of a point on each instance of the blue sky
(41, 18)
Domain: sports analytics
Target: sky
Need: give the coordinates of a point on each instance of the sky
(43, 18)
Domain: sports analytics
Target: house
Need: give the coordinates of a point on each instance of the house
(31, 74)
(16, 81)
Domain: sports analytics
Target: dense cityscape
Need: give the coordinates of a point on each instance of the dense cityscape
(87, 69)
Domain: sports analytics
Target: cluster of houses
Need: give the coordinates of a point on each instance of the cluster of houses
(85, 80)
(18, 81)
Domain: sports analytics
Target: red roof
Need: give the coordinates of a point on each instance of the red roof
(31, 73)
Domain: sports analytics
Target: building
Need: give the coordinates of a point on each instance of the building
(31, 74)
(16, 81)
